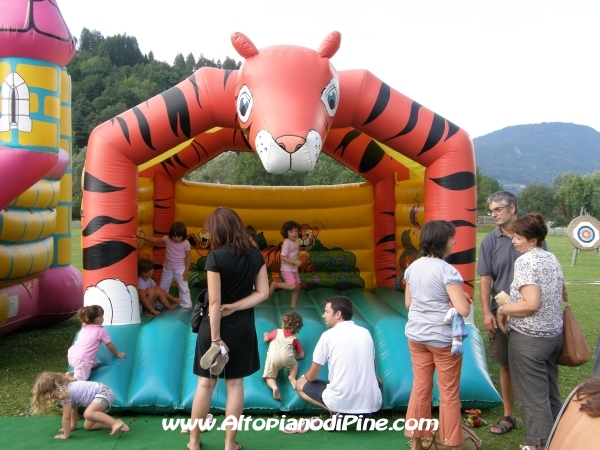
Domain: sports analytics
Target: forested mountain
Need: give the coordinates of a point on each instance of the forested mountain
(111, 75)
(524, 154)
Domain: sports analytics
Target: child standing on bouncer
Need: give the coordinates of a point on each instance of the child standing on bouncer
(289, 262)
(177, 261)
(284, 351)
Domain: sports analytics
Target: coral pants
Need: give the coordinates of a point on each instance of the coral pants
(425, 359)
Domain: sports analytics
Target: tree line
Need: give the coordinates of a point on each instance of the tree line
(559, 202)
(110, 75)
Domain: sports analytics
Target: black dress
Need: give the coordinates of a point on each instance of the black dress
(237, 330)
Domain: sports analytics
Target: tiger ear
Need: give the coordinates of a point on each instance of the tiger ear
(330, 44)
(243, 45)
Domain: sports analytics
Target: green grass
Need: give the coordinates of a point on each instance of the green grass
(25, 353)
(76, 254)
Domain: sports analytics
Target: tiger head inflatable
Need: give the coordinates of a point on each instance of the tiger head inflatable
(284, 109)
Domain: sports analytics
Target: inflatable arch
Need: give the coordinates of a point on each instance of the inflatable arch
(38, 284)
(288, 104)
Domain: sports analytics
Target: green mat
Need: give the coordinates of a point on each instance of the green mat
(147, 433)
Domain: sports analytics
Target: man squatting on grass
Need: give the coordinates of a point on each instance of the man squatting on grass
(349, 351)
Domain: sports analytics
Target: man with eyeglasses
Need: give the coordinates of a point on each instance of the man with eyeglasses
(497, 257)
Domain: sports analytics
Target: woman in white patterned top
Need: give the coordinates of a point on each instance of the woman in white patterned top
(533, 321)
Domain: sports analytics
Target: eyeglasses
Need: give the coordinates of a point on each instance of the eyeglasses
(496, 210)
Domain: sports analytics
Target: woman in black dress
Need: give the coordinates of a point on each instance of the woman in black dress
(237, 281)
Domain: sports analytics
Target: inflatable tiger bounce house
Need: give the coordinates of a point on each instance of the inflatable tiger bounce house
(288, 104)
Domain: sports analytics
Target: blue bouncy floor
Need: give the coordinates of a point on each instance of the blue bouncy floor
(157, 376)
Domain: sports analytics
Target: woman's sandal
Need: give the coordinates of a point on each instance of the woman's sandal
(219, 364)
(208, 358)
(503, 427)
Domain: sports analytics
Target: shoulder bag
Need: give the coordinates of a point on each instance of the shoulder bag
(199, 311)
(575, 350)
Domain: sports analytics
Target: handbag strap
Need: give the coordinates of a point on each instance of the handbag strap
(471, 433)
(433, 445)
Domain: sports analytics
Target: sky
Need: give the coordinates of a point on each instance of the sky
(482, 64)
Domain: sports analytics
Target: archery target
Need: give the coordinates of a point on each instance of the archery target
(584, 233)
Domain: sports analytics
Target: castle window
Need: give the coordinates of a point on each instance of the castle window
(14, 110)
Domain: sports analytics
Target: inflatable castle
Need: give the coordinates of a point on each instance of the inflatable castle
(38, 284)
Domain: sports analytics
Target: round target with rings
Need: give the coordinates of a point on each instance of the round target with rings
(584, 232)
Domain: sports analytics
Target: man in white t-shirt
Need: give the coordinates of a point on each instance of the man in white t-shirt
(349, 351)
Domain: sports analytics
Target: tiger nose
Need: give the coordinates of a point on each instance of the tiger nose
(291, 144)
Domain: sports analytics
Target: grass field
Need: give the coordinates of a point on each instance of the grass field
(25, 353)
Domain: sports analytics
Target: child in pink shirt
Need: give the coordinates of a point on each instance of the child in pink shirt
(289, 262)
(177, 261)
(82, 354)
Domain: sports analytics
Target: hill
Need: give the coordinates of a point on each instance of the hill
(524, 154)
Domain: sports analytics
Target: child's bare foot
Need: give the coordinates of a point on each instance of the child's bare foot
(174, 300)
(119, 426)
(276, 394)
